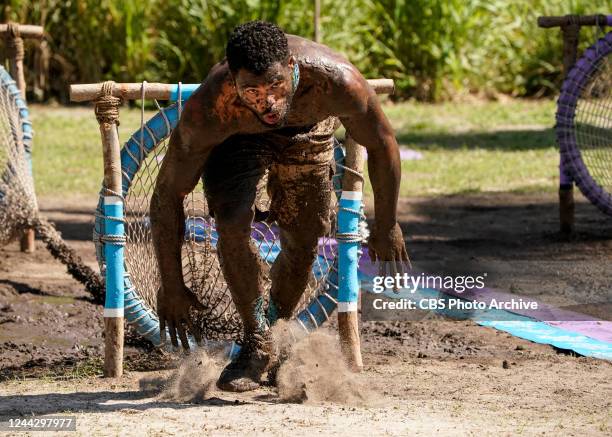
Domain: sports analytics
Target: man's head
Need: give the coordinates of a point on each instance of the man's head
(259, 59)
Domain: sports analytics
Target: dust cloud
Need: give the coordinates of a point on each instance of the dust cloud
(194, 380)
(313, 370)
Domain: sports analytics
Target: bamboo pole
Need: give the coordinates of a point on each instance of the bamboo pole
(348, 316)
(107, 113)
(317, 21)
(566, 20)
(352, 193)
(13, 34)
(25, 30)
(165, 91)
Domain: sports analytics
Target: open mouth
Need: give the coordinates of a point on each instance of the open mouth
(271, 118)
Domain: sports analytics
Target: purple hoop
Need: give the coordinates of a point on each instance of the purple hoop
(571, 91)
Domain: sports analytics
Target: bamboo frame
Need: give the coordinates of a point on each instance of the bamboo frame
(348, 321)
(14, 38)
(567, 20)
(570, 29)
(25, 30)
(317, 21)
(348, 317)
(164, 91)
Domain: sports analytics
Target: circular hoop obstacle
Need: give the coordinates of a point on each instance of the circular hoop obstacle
(584, 123)
(124, 246)
(13, 35)
(574, 165)
(17, 198)
(19, 213)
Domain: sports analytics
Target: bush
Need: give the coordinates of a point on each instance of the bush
(434, 49)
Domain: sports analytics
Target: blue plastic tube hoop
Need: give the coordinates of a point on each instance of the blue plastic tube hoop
(113, 251)
(348, 250)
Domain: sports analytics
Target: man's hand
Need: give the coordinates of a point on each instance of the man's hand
(389, 247)
(173, 309)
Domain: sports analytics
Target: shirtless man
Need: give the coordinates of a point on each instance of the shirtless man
(273, 103)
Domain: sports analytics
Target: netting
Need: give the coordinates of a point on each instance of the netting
(584, 123)
(17, 199)
(18, 204)
(142, 157)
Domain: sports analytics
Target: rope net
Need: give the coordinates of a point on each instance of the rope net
(17, 200)
(593, 123)
(18, 204)
(201, 267)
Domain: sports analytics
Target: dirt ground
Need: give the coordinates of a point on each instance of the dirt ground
(420, 378)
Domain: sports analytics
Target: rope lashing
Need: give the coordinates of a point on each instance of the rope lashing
(107, 105)
(351, 171)
(118, 240)
(115, 240)
(571, 33)
(350, 237)
(14, 42)
(108, 192)
(353, 211)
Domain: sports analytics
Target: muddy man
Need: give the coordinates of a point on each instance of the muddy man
(273, 104)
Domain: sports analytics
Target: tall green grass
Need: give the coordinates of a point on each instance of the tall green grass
(434, 49)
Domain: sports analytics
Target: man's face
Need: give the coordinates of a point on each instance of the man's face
(269, 94)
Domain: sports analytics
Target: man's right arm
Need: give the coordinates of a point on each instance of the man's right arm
(181, 168)
(188, 149)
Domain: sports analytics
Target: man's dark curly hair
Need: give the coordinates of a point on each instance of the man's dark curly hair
(255, 46)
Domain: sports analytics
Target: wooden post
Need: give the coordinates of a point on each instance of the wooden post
(166, 91)
(107, 113)
(348, 315)
(349, 242)
(317, 21)
(567, 207)
(15, 51)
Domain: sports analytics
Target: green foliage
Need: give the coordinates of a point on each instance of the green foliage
(434, 49)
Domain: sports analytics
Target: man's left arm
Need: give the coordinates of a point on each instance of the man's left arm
(367, 124)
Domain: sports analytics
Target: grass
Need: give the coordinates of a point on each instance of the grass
(67, 157)
(468, 147)
(476, 147)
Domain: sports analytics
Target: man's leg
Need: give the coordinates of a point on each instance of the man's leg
(230, 177)
(301, 200)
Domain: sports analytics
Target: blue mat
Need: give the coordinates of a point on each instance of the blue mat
(515, 324)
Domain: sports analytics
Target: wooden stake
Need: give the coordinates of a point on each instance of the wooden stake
(317, 21)
(13, 35)
(348, 321)
(108, 115)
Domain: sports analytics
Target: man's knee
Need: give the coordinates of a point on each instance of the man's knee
(300, 247)
(234, 223)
